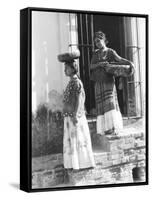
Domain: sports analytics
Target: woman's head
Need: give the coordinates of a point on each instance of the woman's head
(70, 68)
(68, 59)
(100, 40)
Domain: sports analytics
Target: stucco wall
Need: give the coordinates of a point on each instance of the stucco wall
(51, 35)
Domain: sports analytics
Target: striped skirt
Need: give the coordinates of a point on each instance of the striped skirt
(109, 118)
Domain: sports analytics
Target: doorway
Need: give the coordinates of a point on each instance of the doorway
(112, 26)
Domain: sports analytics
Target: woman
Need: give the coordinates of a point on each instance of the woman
(77, 148)
(109, 119)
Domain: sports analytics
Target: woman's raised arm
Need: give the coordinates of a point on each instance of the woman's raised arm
(123, 61)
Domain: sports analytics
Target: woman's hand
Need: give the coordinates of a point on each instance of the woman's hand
(99, 65)
(74, 120)
(103, 64)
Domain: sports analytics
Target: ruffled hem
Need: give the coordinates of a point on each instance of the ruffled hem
(111, 120)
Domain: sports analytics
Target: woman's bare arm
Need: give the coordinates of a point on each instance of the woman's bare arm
(124, 61)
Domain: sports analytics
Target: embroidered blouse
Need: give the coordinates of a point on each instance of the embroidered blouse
(74, 98)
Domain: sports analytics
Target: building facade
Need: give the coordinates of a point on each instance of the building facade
(54, 33)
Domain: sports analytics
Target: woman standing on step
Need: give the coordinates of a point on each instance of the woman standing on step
(109, 119)
(77, 148)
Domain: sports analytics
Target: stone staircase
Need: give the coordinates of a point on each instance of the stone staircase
(115, 165)
(116, 158)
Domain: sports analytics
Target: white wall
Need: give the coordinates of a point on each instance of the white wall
(134, 29)
(52, 33)
(142, 52)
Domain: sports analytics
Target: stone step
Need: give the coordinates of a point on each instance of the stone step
(115, 160)
(108, 143)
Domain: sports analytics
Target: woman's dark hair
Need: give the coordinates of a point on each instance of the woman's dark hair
(73, 65)
(100, 35)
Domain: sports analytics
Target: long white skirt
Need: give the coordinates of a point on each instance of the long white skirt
(110, 121)
(77, 147)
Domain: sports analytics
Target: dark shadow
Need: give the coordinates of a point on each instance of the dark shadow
(14, 185)
(138, 174)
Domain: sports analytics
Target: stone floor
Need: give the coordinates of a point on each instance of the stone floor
(131, 126)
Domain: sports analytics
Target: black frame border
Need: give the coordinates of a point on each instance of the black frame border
(26, 99)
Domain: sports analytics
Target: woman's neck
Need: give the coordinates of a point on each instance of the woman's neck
(103, 49)
(73, 76)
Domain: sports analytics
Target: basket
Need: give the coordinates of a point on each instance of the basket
(118, 70)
